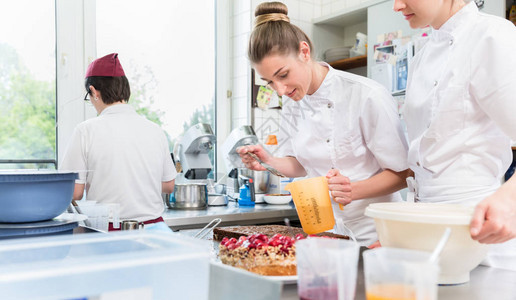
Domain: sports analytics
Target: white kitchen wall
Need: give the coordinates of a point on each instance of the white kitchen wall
(240, 72)
(329, 7)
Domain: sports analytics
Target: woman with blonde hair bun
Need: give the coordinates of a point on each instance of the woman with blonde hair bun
(334, 124)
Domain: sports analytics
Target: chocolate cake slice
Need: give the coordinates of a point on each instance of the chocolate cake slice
(268, 230)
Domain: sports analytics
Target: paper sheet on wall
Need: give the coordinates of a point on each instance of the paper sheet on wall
(383, 74)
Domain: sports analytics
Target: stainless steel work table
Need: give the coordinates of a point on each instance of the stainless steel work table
(486, 283)
(231, 214)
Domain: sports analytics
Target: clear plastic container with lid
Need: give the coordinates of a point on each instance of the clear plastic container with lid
(135, 264)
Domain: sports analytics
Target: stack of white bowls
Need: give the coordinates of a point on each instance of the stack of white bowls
(337, 53)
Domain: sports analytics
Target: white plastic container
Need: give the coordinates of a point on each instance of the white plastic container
(360, 45)
(98, 214)
(419, 226)
(123, 265)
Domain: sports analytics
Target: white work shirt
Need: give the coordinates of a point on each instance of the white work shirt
(460, 108)
(350, 124)
(126, 157)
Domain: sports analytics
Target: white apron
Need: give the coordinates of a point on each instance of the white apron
(352, 216)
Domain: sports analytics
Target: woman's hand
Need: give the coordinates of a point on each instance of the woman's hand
(340, 187)
(374, 245)
(494, 219)
(250, 162)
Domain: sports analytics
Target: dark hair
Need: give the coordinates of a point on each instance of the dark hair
(273, 33)
(112, 89)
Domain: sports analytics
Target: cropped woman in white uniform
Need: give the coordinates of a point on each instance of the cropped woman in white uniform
(460, 115)
(127, 156)
(334, 124)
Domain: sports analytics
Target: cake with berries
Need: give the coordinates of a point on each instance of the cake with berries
(268, 230)
(265, 249)
(257, 253)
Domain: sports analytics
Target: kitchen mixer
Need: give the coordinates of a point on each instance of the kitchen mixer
(241, 136)
(238, 174)
(191, 188)
(193, 153)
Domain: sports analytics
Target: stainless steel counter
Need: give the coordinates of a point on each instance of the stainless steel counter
(231, 214)
(485, 283)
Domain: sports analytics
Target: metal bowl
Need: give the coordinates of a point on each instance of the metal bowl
(261, 180)
(189, 196)
(217, 199)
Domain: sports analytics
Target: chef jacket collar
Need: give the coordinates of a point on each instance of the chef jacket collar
(323, 92)
(454, 26)
(117, 109)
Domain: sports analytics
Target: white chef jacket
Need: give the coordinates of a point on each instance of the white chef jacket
(351, 124)
(460, 108)
(127, 158)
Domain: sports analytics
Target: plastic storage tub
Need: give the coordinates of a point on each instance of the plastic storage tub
(419, 226)
(124, 265)
(32, 196)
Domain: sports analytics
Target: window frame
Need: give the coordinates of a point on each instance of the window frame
(5, 161)
(77, 18)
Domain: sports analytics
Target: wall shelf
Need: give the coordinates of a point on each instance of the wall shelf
(348, 16)
(350, 63)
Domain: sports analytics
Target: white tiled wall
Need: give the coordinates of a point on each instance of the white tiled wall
(241, 24)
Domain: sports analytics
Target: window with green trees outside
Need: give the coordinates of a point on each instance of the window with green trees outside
(27, 84)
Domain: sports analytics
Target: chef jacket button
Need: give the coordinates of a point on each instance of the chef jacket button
(451, 42)
(418, 164)
(328, 140)
(435, 83)
(330, 105)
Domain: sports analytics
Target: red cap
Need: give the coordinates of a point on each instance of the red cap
(108, 65)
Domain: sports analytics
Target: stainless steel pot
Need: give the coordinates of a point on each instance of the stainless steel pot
(189, 196)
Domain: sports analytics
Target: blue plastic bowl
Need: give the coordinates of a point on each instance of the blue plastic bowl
(32, 196)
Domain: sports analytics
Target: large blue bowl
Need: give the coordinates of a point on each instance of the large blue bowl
(32, 196)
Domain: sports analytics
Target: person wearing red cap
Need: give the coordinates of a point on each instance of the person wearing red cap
(121, 157)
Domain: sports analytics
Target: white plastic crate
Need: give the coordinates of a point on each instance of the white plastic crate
(125, 265)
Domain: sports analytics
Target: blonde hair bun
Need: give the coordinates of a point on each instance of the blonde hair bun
(273, 33)
(270, 12)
